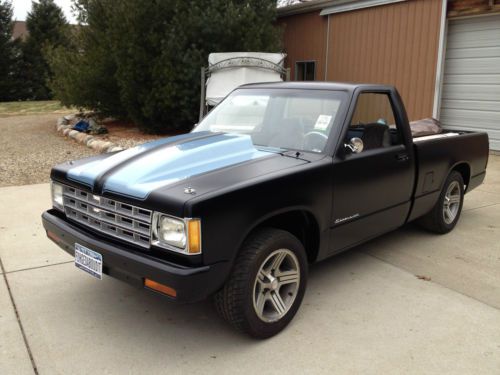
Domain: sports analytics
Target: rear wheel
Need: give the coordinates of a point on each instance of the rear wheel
(445, 214)
(267, 284)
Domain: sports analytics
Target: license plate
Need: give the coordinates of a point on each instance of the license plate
(88, 260)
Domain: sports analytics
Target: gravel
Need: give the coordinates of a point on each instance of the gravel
(30, 147)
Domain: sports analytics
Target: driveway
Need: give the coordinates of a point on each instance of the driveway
(365, 311)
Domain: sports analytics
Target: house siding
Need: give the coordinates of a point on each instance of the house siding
(394, 44)
(305, 40)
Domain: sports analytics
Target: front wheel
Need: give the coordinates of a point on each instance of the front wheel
(267, 284)
(445, 214)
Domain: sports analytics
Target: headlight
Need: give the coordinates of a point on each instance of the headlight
(172, 231)
(57, 196)
(180, 235)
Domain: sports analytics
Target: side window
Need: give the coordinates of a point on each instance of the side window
(374, 122)
(305, 71)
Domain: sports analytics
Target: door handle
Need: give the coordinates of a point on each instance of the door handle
(402, 157)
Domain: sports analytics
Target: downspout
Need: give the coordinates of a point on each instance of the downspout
(440, 62)
(327, 46)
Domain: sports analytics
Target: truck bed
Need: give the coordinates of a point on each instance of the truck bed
(437, 154)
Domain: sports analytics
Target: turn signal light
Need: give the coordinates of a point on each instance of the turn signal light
(194, 236)
(54, 237)
(160, 288)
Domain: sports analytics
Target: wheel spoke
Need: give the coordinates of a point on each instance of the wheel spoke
(278, 259)
(449, 213)
(288, 277)
(260, 303)
(278, 303)
(262, 276)
(454, 199)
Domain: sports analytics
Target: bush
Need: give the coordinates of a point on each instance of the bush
(141, 59)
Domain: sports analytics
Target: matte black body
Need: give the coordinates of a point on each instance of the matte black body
(332, 201)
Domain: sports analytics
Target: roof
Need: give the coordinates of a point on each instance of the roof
(307, 6)
(316, 85)
(327, 7)
(19, 30)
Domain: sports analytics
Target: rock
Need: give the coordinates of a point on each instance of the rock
(80, 137)
(73, 134)
(68, 118)
(114, 148)
(93, 124)
(105, 146)
(88, 140)
(62, 121)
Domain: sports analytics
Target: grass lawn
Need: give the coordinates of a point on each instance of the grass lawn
(32, 108)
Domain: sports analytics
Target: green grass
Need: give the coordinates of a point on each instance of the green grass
(32, 108)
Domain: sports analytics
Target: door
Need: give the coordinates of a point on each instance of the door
(371, 189)
(470, 98)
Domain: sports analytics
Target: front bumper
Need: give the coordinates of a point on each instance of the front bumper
(191, 283)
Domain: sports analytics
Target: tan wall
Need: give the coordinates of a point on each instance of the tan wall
(394, 44)
(305, 40)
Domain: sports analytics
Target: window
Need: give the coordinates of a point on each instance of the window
(373, 121)
(278, 118)
(241, 113)
(305, 71)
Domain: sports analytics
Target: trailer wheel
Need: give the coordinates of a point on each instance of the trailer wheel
(445, 214)
(267, 284)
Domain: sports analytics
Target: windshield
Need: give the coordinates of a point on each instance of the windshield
(280, 118)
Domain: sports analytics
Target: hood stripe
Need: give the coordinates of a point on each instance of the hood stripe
(100, 180)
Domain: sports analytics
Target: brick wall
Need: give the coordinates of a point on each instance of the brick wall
(458, 8)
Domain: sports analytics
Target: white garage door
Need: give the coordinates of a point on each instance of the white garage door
(470, 99)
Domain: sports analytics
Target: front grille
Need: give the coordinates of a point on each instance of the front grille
(120, 220)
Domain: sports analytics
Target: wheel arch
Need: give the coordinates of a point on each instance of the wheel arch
(298, 221)
(464, 169)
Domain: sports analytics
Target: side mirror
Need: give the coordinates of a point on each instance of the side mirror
(355, 146)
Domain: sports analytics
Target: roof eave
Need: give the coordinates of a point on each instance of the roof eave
(309, 6)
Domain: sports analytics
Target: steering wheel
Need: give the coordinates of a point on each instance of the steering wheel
(315, 141)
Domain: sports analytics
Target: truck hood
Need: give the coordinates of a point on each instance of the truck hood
(138, 171)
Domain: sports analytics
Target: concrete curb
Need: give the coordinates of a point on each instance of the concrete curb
(90, 141)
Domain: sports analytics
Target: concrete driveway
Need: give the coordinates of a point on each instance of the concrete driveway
(365, 311)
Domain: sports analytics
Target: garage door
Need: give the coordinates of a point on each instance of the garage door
(470, 98)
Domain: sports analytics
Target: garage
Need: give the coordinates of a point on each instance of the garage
(470, 98)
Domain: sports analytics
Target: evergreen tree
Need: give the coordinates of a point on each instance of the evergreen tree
(141, 59)
(47, 29)
(7, 52)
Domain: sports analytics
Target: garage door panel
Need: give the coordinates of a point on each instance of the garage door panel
(470, 96)
(487, 79)
(483, 119)
(485, 65)
(470, 24)
(471, 92)
(461, 53)
(493, 134)
(483, 38)
(474, 105)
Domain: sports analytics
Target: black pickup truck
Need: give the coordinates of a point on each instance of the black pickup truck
(276, 177)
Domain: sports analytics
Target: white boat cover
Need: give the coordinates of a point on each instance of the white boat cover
(222, 82)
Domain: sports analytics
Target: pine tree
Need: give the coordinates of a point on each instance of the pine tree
(141, 59)
(7, 51)
(47, 29)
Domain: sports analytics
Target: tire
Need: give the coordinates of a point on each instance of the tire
(249, 299)
(439, 219)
